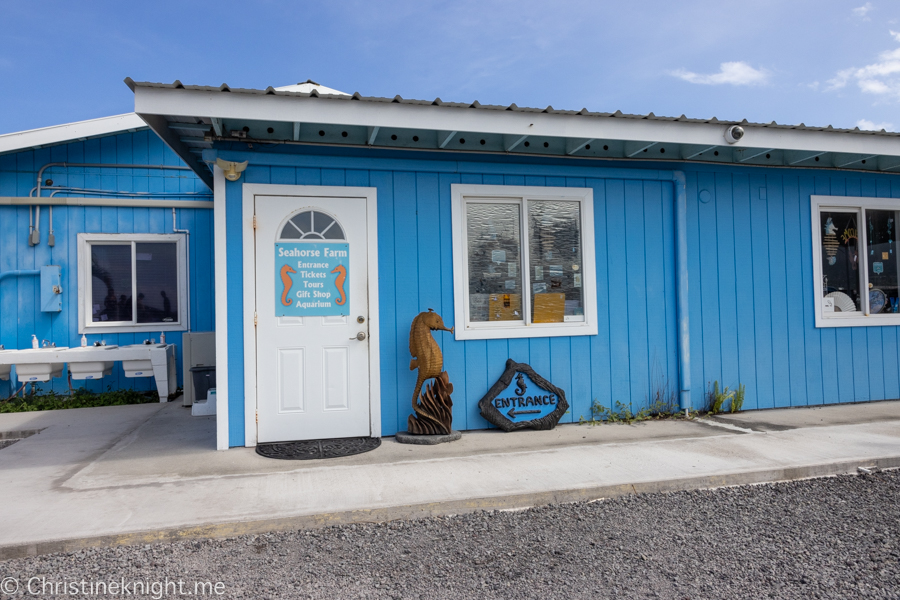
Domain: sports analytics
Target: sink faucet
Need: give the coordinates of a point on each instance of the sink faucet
(48, 344)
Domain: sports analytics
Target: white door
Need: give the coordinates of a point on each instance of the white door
(312, 345)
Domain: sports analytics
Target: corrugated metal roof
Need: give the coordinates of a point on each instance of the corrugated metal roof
(356, 96)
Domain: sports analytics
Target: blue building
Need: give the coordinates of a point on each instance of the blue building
(624, 257)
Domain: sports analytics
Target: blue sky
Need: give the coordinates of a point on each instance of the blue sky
(814, 61)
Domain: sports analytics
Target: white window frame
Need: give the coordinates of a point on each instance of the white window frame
(861, 318)
(465, 330)
(85, 323)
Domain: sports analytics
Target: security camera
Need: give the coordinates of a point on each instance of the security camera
(734, 134)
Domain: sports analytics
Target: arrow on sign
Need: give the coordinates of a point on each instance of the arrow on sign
(513, 413)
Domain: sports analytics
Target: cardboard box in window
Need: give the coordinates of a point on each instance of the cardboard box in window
(549, 308)
(505, 307)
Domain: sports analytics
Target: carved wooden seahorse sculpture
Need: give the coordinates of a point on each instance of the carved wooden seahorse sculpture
(288, 282)
(433, 415)
(341, 270)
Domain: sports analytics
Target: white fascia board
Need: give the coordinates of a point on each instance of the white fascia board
(22, 140)
(195, 103)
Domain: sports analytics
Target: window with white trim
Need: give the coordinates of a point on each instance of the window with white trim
(132, 282)
(523, 261)
(855, 261)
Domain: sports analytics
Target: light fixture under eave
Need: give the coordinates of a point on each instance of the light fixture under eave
(232, 169)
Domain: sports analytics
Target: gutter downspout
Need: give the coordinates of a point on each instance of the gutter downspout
(681, 290)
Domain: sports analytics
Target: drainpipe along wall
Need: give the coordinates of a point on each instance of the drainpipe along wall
(681, 290)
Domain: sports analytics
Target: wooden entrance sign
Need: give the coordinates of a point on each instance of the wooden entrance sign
(522, 399)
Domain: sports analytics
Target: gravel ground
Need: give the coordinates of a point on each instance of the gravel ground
(835, 537)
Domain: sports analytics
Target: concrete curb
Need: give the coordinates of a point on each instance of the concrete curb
(451, 507)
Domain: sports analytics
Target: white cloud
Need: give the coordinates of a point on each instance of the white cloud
(881, 78)
(863, 11)
(733, 73)
(871, 126)
(839, 80)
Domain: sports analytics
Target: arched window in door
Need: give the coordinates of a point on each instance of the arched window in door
(311, 225)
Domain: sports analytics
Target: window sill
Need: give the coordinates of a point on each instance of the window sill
(859, 320)
(530, 331)
(142, 328)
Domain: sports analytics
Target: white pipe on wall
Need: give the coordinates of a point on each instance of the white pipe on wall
(34, 234)
(51, 239)
(122, 202)
(35, 237)
(40, 174)
(175, 225)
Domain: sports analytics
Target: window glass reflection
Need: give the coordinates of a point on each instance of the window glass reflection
(840, 261)
(110, 282)
(557, 292)
(157, 282)
(312, 225)
(881, 239)
(495, 279)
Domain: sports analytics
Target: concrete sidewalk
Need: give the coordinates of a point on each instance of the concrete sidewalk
(137, 474)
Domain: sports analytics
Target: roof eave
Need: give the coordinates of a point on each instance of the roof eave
(69, 132)
(289, 108)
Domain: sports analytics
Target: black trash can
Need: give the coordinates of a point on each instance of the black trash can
(204, 380)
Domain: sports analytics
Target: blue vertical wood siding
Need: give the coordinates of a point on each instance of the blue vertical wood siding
(750, 286)
(20, 314)
(749, 263)
(633, 356)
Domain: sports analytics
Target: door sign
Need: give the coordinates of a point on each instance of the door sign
(311, 279)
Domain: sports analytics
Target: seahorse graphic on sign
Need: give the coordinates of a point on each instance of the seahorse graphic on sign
(288, 282)
(520, 385)
(341, 270)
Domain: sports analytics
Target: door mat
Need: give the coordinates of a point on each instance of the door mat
(315, 449)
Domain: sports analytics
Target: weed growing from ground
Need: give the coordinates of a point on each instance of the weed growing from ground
(80, 398)
(660, 408)
(715, 399)
(663, 404)
(737, 402)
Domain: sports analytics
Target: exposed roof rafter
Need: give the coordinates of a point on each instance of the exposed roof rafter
(159, 124)
(447, 139)
(846, 162)
(632, 149)
(516, 141)
(574, 145)
(745, 154)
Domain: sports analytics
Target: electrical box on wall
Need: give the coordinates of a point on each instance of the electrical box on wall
(51, 289)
